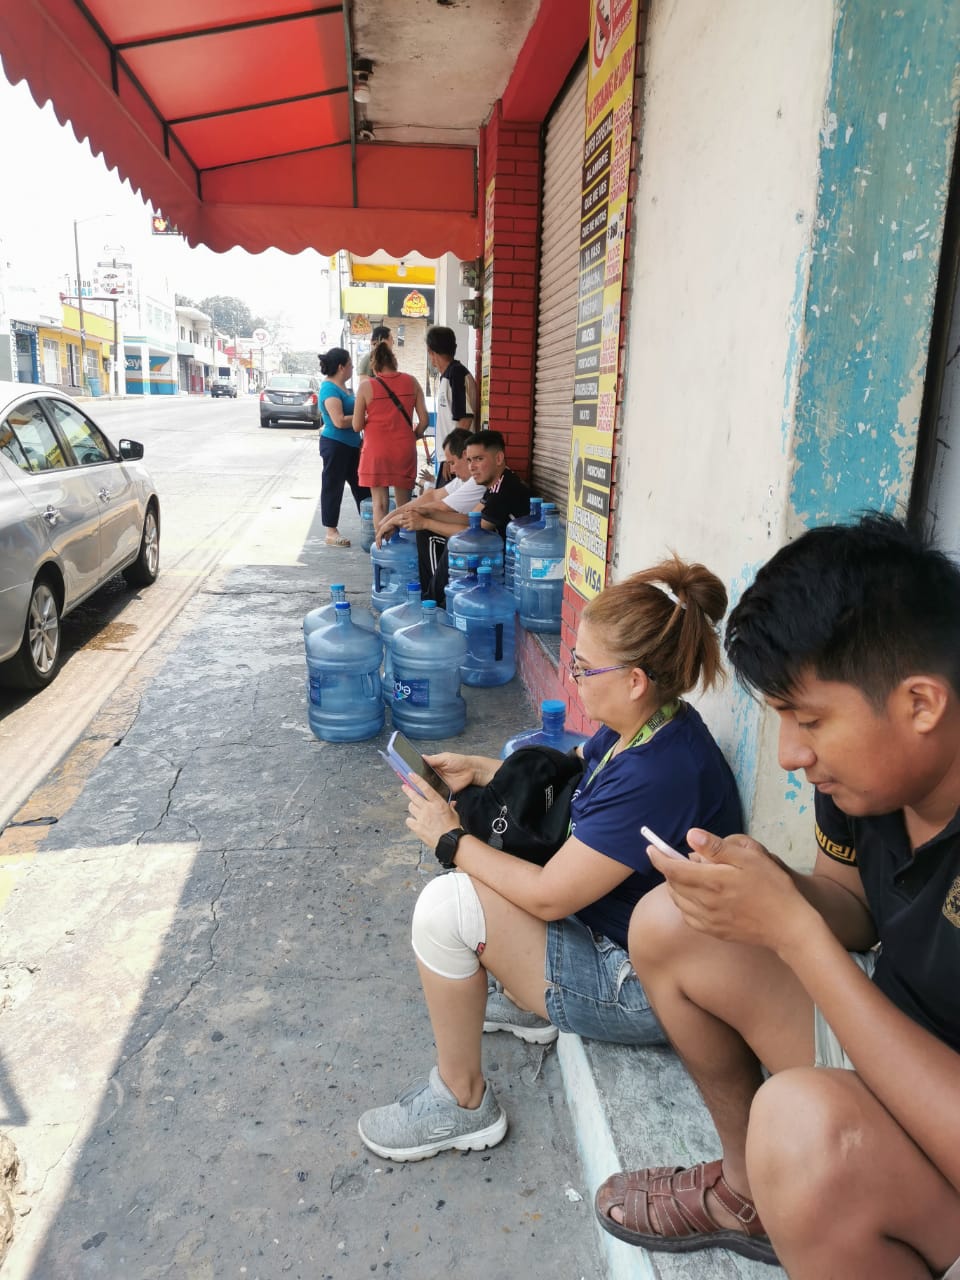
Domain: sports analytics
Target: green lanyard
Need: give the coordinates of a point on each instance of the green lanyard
(643, 735)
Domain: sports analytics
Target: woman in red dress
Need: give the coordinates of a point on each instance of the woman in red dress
(386, 402)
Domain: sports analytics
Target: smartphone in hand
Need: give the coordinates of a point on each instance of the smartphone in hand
(409, 765)
(662, 845)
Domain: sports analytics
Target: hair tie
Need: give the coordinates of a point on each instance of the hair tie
(671, 595)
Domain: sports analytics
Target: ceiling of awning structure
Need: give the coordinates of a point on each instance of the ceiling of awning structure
(236, 118)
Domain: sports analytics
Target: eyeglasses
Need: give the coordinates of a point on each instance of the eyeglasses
(579, 673)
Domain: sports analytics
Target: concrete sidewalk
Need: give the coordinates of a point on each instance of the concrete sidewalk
(208, 978)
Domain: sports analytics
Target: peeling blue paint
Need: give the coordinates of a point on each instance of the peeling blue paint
(887, 145)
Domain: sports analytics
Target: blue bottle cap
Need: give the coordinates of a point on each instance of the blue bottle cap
(342, 604)
(413, 586)
(551, 705)
(429, 606)
(338, 586)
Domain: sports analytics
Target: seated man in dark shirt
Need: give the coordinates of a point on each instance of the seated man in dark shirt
(846, 1161)
(506, 498)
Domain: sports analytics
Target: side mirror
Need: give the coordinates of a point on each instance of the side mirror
(131, 450)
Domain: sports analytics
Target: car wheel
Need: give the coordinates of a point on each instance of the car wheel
(266, 422)
(145, 568)
(38, 658)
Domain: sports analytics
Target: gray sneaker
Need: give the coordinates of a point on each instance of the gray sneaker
(503, 1015)
(427, 1119)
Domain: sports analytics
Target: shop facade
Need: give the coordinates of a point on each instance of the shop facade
(787, 265)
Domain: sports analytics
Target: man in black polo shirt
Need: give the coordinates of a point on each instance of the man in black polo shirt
(505, 498)
(845, 1163)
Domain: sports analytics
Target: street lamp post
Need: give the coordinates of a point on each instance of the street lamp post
(83, 333)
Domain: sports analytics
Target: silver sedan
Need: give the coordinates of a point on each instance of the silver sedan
(75, 509)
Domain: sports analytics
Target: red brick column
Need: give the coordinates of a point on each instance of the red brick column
(512, 160)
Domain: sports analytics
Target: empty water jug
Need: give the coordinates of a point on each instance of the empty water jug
(551, 733)
(323, 616)
(541, 576)
(466, 583)
(394, 565)
(367, 530)
(475, 541)
(393, 620)
(343, 680)
(426, 678)
(520, 533)
(510, 540)
(486, 615)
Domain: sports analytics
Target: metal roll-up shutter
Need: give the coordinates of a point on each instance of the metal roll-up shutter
(557, 302)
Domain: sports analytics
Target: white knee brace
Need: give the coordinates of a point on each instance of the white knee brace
(448, 926)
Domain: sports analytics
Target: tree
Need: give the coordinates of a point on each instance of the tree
(299, 362)
(183, 301)
(230, 315)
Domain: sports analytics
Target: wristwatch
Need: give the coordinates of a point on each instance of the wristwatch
(446, 849)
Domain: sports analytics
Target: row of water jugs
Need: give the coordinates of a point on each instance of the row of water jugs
(426, 652)
(529, 563)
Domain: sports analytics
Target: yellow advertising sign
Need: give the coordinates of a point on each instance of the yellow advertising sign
(603, 212)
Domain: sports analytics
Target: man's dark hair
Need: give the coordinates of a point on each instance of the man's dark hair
(456, 441)
(491, 440)
(865, 604)
(441, 340)
(379, 333)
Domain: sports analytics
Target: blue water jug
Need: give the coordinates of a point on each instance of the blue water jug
(394, 565)
(426, 678)
(393, 620)
(510, 541)
(367, 530)
(541, 576)
(552, 731)
(487, 617)
(466, 583)
(343, 680)
(518, 538)
(325, 615)
(475, 541)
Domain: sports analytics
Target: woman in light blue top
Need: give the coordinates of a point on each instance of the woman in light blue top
(339, 443)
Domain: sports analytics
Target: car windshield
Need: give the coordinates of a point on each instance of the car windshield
(290, 383)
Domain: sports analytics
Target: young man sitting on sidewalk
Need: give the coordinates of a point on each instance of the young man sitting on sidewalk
(845, 1162)
(505, 497)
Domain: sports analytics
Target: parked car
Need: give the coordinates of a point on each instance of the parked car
(291, 396)
(75, 510)
(223, 387)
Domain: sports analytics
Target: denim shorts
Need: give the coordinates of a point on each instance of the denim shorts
(592, 989)
(828, 1051)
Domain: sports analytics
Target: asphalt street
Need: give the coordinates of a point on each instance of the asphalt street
(206, 972)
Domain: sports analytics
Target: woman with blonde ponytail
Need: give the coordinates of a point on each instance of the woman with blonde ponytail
(506, 945)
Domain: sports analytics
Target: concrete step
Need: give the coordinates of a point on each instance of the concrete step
(634, 1107)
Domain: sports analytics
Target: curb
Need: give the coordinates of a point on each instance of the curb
(598, 1154)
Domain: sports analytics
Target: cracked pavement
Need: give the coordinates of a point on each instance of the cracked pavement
(208, 977)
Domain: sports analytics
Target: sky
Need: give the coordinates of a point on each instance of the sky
(36, 227)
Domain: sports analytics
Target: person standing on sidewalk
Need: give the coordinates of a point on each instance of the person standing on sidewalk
(386, 404)
(379, 333)
(554, 937)
(456, 388)
(339, 443)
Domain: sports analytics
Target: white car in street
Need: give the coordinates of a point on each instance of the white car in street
(74, 511)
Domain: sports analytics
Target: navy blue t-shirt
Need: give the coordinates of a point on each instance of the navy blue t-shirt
(677, 780)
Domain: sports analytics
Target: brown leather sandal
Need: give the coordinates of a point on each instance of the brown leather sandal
(665, 1211)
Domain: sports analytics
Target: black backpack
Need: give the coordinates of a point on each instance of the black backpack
(525, 808)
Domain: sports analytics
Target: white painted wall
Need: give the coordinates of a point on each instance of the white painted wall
(722, 224)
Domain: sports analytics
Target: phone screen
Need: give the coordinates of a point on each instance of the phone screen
(415, 762)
